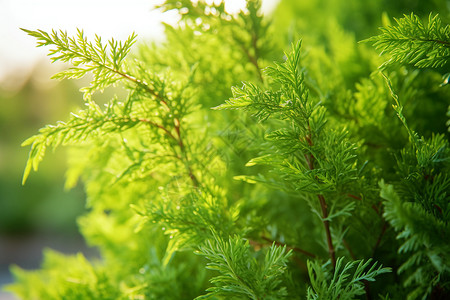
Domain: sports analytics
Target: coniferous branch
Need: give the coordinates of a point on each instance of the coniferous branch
(257, 27)
(241, 274)
(339, 283)
(86, 125)
(425, 243)
(81, 279)
(86, 57)
(413, 42)
(107, 68)
(188, 218)
(423, 185)
(419, 210)
(80, 127)
(298, 151)
(105, 62)
(248, 28)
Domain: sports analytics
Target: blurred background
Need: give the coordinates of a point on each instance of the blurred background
(41, 213)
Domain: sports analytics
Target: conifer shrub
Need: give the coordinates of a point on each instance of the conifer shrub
(258, 157)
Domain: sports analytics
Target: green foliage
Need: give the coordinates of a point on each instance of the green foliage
(311, 139)
(241, 274)
(317, 168)
(105, 62)
(340, 284)
(424, 243)
(413, 42)
(69, 278)
(419, 208)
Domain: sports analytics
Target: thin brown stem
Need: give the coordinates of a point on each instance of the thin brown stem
(295, 249)
(142, 84)
(367, 290)
(166, 131)
(354, 197)
(445, 43)
(323, 205)
(191, 175)
(377, 243)
(326, 224)
(350, 251)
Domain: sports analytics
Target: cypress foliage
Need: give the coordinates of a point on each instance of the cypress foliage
(322, 173)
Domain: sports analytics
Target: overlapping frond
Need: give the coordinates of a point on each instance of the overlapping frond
(415, 42)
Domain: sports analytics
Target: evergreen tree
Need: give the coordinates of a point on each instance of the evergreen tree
(321, 175)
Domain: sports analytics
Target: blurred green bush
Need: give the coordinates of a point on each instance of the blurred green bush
(42, 206)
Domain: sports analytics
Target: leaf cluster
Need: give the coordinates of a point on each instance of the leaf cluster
(343, 282)
(424, 244)
(414, 42)
(241, 274)
(104, 62)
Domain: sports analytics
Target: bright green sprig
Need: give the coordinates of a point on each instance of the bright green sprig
(105, 62)
(89, 124)
(241, 274)
(247, 30)
(163, 114)
(290, 102)
(188, 218)
(71, 277)
(302, 153)
(79, 127)
(341, 284)
(414, 42)
(398, 107)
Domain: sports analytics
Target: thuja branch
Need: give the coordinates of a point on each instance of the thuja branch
(415, 42)
(94, 57)
(323, 205)
(105, 63)
(179, 142)
(288, 103)
(143, 85)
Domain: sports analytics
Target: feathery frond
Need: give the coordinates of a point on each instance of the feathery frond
(415, 42)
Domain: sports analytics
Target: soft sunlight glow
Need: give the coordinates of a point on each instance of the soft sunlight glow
(107, 18)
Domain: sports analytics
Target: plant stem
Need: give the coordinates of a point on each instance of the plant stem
(191, 175)
(166, 131)
(383, 230)
(326, 224)
(347, 246)
(323, 205)
(296, 249)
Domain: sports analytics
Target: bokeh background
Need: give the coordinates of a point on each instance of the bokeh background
(41, 213)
